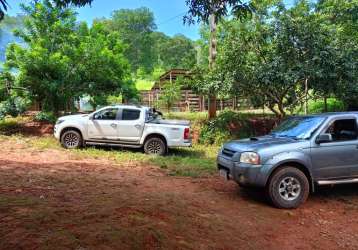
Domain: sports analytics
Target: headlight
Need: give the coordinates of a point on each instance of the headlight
(250, 158)
(59, 122)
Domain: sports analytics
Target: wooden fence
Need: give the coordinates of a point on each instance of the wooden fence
(190, 101)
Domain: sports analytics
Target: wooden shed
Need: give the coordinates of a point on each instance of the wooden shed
(190, 101)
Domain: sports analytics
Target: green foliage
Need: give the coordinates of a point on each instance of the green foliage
(13, 106)
(45, 117)
(173, 52)
(60, 3)
(146, 49)
(269, 58)
(135, 28)
(170, 94)
(200, 10)
(318, 106)
(63, 61)
(144, 84)
(217, 131)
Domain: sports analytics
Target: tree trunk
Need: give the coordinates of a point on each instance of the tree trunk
(277, 114)
(306, 96)
(212, 59)
(281, 109)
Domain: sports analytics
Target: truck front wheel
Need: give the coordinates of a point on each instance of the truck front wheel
(155, 146)
(288, 188)
(71, 139)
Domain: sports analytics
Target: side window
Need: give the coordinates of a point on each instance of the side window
(130, 114)
(343, 130)
(106, 114)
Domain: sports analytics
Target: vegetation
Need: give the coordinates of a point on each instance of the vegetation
(282, 57)
(170, 95)
(197, 161)
(210, 12)
(234, 125)
(63, 61)
(147, 50)
(61, 3)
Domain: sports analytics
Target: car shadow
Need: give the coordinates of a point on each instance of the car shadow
(342, 192)
(347, 193)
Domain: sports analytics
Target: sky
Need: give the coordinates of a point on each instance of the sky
(168, 13)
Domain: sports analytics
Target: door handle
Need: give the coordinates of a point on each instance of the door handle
(113, 125)
(138, 126)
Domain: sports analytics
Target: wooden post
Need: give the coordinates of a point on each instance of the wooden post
(306, 96)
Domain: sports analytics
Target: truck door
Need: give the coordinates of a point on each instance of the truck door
(339, 157)
(104, 125)
(131, 125)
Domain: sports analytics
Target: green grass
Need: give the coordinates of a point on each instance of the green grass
(191, 116)
(144, 84)
(196, 161)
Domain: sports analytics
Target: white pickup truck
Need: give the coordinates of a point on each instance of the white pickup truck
(123, 126)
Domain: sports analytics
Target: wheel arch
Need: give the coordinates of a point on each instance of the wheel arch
(298, 165)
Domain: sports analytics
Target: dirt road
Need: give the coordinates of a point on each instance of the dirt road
(50, 200)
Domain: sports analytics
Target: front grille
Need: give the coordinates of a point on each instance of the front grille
(228, 152)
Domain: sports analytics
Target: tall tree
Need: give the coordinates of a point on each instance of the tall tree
(210, 12)
(135, 28)
(63, 61)
(174, 52)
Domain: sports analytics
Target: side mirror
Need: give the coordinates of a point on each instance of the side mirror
(322, 138)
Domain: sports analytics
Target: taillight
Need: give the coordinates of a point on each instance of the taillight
(186, 133)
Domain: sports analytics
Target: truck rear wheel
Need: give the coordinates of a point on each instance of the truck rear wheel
(155, 146)
(288, 188)
(71, 139)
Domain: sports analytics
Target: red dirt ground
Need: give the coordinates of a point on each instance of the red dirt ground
(48, 200)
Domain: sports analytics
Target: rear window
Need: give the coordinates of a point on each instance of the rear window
(130, 114)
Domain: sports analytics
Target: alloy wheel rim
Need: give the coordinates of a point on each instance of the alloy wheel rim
(289, 189)
(154, 147)
(71, 140)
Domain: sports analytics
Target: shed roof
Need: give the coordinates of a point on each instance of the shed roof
(172, 75)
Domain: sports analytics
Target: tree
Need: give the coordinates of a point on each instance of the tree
(135, 28)
(63, 61)
(170, 94)
(61, 3)
(274, 58)
(174, 52)
(210, 12)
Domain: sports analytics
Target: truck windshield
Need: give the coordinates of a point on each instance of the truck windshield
(298, 127)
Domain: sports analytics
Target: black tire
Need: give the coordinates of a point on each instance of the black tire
(288, 188)
(71, 139)
(155, 146)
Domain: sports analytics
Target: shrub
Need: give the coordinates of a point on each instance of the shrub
(333, 105)
(233, 125)
(14, 106)
(45, 117)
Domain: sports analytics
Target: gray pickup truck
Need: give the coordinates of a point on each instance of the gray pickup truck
(301, 153)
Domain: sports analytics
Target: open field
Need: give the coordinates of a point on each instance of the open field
(52, 198)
